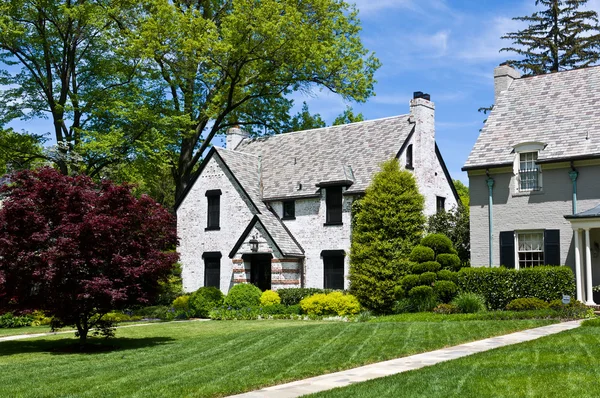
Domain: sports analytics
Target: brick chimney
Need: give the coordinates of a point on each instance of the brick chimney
(504, 75)
(235, 135)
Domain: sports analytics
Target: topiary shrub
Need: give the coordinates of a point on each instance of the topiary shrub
(293, 295)
(449, 261)
(438, 242)
(334, 303)
(422, 298)
(410, 281)
(428, 266)
(446, 309)
(469, 303)
(242, 296)
(526, 304)
(446, 275)
(421, 254)
(269, 297)
(203, 300)
(427, 278)
(445, 291)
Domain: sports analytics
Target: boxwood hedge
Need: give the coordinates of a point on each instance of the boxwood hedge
(500, 285)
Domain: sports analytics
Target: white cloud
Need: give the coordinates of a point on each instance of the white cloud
(387, 99)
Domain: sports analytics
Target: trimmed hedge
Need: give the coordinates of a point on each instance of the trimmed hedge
(440, 243)
(203, 300)
(421, 254)
(428, 266)
(242, 296)
(449, 261)
(499, 286)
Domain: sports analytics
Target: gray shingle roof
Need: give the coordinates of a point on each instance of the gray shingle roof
(351, 152)
(591, 213)
(561, 110)
(244, 167)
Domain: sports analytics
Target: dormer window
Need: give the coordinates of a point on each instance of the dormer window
(529, 172)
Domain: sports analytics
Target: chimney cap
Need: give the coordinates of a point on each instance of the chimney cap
(417, 94)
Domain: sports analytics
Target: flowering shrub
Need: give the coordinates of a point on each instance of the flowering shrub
(269, 297)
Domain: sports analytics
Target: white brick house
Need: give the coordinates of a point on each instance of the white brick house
(275, 211)
(533, 169)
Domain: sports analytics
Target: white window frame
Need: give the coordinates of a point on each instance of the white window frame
(523, 149)
(540, 250)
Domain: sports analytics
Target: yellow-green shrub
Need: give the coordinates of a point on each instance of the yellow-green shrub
(181, 303)
(269, 297)
(334, 303)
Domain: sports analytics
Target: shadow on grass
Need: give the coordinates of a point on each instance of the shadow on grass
(69, 346)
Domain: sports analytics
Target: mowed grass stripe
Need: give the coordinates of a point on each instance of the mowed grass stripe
(561, 365)
(200, 359)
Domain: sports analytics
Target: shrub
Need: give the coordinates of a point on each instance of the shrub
(500, 286)
(422, 298)
(293, 296)
(8, 320)
(334, 303)
(446, 275)
(445, 291)
(427, 278)
(421, 254)
(469, 303)
(205, 299)
(428, 266)
(388, 223)
(40, 318)
(364, 316)
(181, 303)
(161, 312)
(575, 310)
(556, 305)
(410, 281)
(269, 297)
(438, 242)
(402, 306)
(527, 303)
(446, 309)
(449, 261)
(243, 295)
(116, 317)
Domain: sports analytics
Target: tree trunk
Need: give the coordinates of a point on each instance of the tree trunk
(82, 330)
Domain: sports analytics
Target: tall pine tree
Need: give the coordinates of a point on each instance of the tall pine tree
(559, 37)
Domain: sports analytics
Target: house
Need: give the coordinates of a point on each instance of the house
(533, 175)
(276, 211)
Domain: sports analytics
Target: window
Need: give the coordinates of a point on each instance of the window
(440, 204)
(333, 269)
(530, 249)
(214, 209)
(522, 249)
(289, 210)
(212, 269)
(333, 201)
(409, 157)
(528, 172)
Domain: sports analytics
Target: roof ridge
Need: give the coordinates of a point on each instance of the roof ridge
(557, 72)
(220, 148)
(251, 139)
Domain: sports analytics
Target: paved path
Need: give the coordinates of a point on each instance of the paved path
(394, 366)
(31, 336)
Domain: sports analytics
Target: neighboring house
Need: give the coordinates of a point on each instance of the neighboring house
(533, 169)
(275, 211)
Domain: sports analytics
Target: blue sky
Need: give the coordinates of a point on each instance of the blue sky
(447, 48)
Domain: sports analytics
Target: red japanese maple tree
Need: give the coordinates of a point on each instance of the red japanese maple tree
(78, 250)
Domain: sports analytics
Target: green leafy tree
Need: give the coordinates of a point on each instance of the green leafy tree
(463, 192)
(68, 62)
(560, 36)
(304, 120)
(348, 116)
(223, 63)
(388, 223)
(19, 151)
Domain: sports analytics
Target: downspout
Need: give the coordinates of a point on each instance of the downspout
(574, 174)
(490, 184)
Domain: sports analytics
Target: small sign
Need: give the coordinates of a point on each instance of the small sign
(566, 299)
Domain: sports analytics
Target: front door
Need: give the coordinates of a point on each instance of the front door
(260, 271)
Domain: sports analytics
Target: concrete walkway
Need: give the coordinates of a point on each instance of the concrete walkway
(394, 366)
(34, 335)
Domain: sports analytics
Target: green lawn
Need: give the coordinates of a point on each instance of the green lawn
(562, 365)
(219, 358)
(24, 330)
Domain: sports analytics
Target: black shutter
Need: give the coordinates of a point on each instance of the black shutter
(333, 199)
(212, 269)
(214, 210)
(333, 269)
(552, 247)
(507, 249)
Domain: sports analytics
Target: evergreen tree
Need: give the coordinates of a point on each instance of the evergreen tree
(559, 37)
(348, 116)
(388, 222)
(304, 120)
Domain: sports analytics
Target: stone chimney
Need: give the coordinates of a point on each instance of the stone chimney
(235, 135)
(504, 75)
(422, 114)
